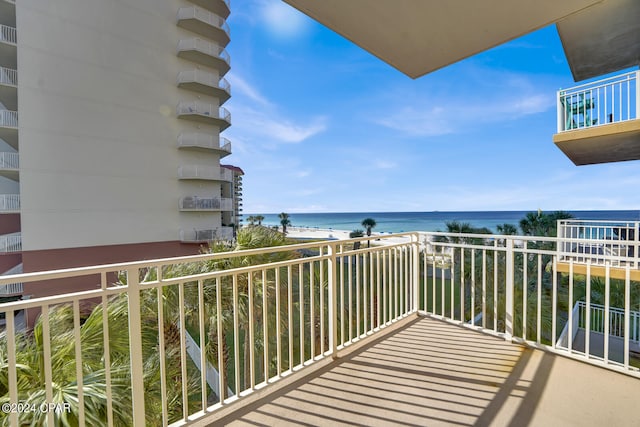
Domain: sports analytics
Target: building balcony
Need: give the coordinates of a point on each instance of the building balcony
(221, 8)
(205, 142)
(9, 88)
(12, 289)
(208, 235)
(204, 82)
(205, 53)
(9, 127)
(598, 122)
(9, 203)
(204, 23)
(206, 173)
(205, 113)
(418, 329)
(10, 243)
(196, 203)
(10, 165)
(8, 46)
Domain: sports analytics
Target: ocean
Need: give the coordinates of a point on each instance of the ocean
(426, 221)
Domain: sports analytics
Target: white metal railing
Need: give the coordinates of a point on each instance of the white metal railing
(9, 202)
(198, 235)
(205, 78)
(212, 173)
(612, 100)
(8, 76)
(262, 314)
(9, 160)
(205, 47)
(203, 140)
(197, 203)
(8, 118)
(616, 320)
(10, 242)
(12, 288)
(204, 16)
(8, 34)
(204, 109)
(599, 242)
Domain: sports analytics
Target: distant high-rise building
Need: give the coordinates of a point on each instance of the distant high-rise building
(234, 192)
(110, 122)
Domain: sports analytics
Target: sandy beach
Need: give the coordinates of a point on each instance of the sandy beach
(331, 234)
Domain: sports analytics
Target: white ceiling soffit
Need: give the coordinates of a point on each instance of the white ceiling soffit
(420, 36)
(602, 39)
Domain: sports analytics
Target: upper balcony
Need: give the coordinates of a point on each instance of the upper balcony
(598, 122)
(206, 173)
(219, 7)
(196, 203)
(205, 113)
(205, 142)
(204, 23)
(8, 46)
(12, 289)
(11, 242)
(10, 165)
(418, 329)
(204, 236)
(9, 88)
(205, 53)
(9, 127)
(204, 82)
(9, 203)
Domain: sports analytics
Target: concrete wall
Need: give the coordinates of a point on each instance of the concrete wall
(98, 128)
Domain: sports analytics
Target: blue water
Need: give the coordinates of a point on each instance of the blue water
(426, 221)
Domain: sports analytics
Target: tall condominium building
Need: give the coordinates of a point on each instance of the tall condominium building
(110, 122)
(233, 191)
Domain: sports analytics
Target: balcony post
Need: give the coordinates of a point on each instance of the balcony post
(638, 94)
(560, 111)
(509, 290)
(135, 347)
(333, 298)
(416, 272)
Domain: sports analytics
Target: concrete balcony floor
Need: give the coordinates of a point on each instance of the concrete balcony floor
(429, 372)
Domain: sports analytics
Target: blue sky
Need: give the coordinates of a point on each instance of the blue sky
(320, 125)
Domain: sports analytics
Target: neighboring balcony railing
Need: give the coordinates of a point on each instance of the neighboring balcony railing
(210, 173)
(207, 235)
(201, 111)
(12, 288)
(268, 313)
(214, 55)
(9, 160)
(8, 76)
(599, 242)
(195, 203)
(8, 119)
(205, 82)
(203, 140)
(9, 202)
(612, 100)
(210, 19)
(8, 34)
(10, 242)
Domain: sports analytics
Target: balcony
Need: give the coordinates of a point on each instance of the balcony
(203, 236)
(195, 203)
(206, 173)
(419, 329)
(205, 53)
(8, 46)
(10, 165)
(12, 289)
(9, 88)
(9, 203)
(9, 127)
(205, 113)
(205, 142)
(204, 23)
(10, 243)
(598, 122)
(204, 82)
(221, 8)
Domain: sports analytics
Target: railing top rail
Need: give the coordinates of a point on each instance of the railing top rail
(596, 221)
(598, 83)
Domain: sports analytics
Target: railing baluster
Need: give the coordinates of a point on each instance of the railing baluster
(607, 298)
(135, 348)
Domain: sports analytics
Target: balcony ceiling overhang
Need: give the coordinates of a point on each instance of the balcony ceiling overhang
(602, 39)
(420, 36)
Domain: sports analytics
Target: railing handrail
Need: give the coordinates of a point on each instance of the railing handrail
(9, 160)
(601, 83)
(8, 76)
(9, 202)
(205, 16)
(11, 242)
(9, 118)
(205, 203)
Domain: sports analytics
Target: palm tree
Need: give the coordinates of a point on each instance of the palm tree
(284, 221)
(507, 229)
(251, 220)
(368, 224)
(259, 218)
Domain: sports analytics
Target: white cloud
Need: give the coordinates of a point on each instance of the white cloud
(273, 127)
(238, 84)
(283, 20)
